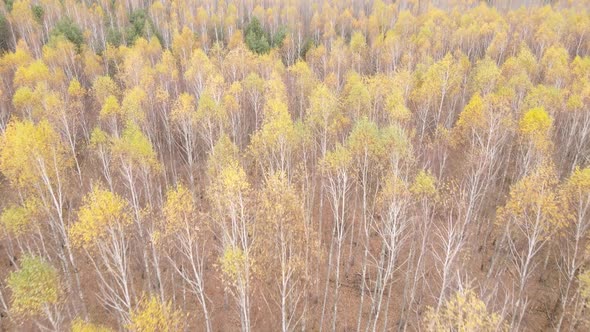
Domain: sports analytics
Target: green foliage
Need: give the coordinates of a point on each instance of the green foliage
(279, 37)
(9, 4)
(67, 28)
(140, 26)
(4, 34)
(308, 44)
(114, 36)
(260, 41)
(33, 286)
(256, 38)
(38, 13)
(136, 27)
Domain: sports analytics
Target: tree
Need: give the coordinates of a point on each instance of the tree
(357, 96)
(101, 230)
(229, 194)
(285, 248)
(486, 76)
(438, 85)
(211, 116)
(36, 291)
(324, 116)
(34, 160)
(181, 232)
(425, 194)
(184, 118)
(4, 34)
(256, 37)
(463, 312)
(72, 32)
(152, 315)
(136, 160)
(336, 168)
(529, 218)
(535, 129)
(18, 219)
(275, 144)
(369, 159)
(358, 46)
(393, 203)
(575, 203)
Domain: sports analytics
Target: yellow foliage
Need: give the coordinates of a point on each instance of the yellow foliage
(101, 211)
(277, 137)
(233, 180)
(280, 221)
(396, 107)
(234, 263)
(110, 107)
(323, 112)
(75, 89)
(28, 150)
(135, 148)
(98, 137)
(103, 87)
(533, 198)
(184, 109)
(19, 58)
(31, 75)
(575, 194)
(152, 315)
(470, 119)
(486, 76)
(578, 184)
(17, 219)
(224, 153)
(357, 95)
(424, 185)
(464, 312)
(535, 125)
(27, 101)
(179, 209)
(584, 281)
(132, 105)
(555, 64)
(337, 160)
(80, 325)
(393, 189)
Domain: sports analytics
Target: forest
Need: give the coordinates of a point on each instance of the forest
(294, 165)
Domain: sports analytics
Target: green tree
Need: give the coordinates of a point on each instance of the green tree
(70, 30)
(35, 288)
(4, 34)
(256, 38)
